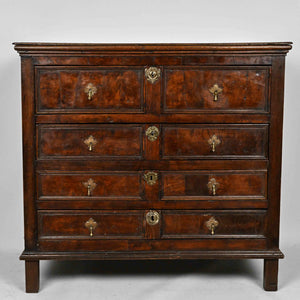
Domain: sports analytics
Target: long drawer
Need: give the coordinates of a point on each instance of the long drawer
(150, 230)
(238, 141)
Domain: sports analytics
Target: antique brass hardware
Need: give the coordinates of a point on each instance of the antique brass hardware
(90, 142)
(152, 74)
(90, 185)
(215, 90)
(211, 224)
(152, 217)
(90, 90)
(151, 177)
(213, 186)
(152, 133)
(214, 141)
(91, 224)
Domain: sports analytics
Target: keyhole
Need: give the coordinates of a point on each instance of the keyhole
(152, 218)
(151, 177)
(152, 74)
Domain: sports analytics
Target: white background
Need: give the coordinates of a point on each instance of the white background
(145, 21)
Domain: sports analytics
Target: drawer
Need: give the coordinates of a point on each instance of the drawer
(87, 141)
(130, 230)
(91, 224)
(196, 224)
(214, 185)
(214, 141)
(90, 89)
(191, 90)
(100, 186)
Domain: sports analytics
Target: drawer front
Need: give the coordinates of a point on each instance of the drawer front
(214, 141)
(98, 90)
(196, 224)
(106, 186)
(193, 90)
(91, 224)
(129, 230)
(102, 141)
(215, 185)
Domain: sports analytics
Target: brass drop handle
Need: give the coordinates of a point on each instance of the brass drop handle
(215, 90)
(91, 224)
(213, 185)
(152, 217)
(212, 224)
(90, 142)
(90, 90)
(213, 142)
(90, 185)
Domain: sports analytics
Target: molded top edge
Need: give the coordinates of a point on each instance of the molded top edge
(259, 47)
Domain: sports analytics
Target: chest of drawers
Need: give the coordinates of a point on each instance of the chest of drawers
(152, 151)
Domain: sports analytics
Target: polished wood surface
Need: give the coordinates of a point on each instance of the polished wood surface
(235, 181)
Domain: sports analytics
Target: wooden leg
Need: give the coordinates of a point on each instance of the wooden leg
(270, 274)
(32, 273)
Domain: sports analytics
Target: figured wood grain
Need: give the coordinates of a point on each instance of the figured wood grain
(236, 141)
(113, 141)
(117, 90)
(188, 90)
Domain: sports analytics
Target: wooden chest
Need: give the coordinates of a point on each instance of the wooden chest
(152, 151)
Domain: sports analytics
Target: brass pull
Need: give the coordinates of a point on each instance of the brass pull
(90, 185)
(152, 74)
(90, 90)
(215, 90)
(211, 224)
(91, 224)
(90, 142)
(214, 141)
(152, 133)
(152, 217)
(151, 177)
(213, 185)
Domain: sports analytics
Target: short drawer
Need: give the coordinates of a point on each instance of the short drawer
(79, 141)
(214, 185)
(214, 141)
(99, 186)
(91, 224)
(87, 89)
(191, 90)
(197, 224)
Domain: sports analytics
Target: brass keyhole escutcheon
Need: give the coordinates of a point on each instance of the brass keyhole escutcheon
(213, 142)
(152, 217)
(215, 90)
(91, 224)
(152, 133)
(212, 224)
(90, 90)
(90, 142)
(213, 185)
(152, 74)
(151, 177)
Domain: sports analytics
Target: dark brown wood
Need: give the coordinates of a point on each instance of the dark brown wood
(150, 255)
(187, 90)
(58, 117)
(32, 273)
(236, 141)
(118, 90)
(271, 274)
